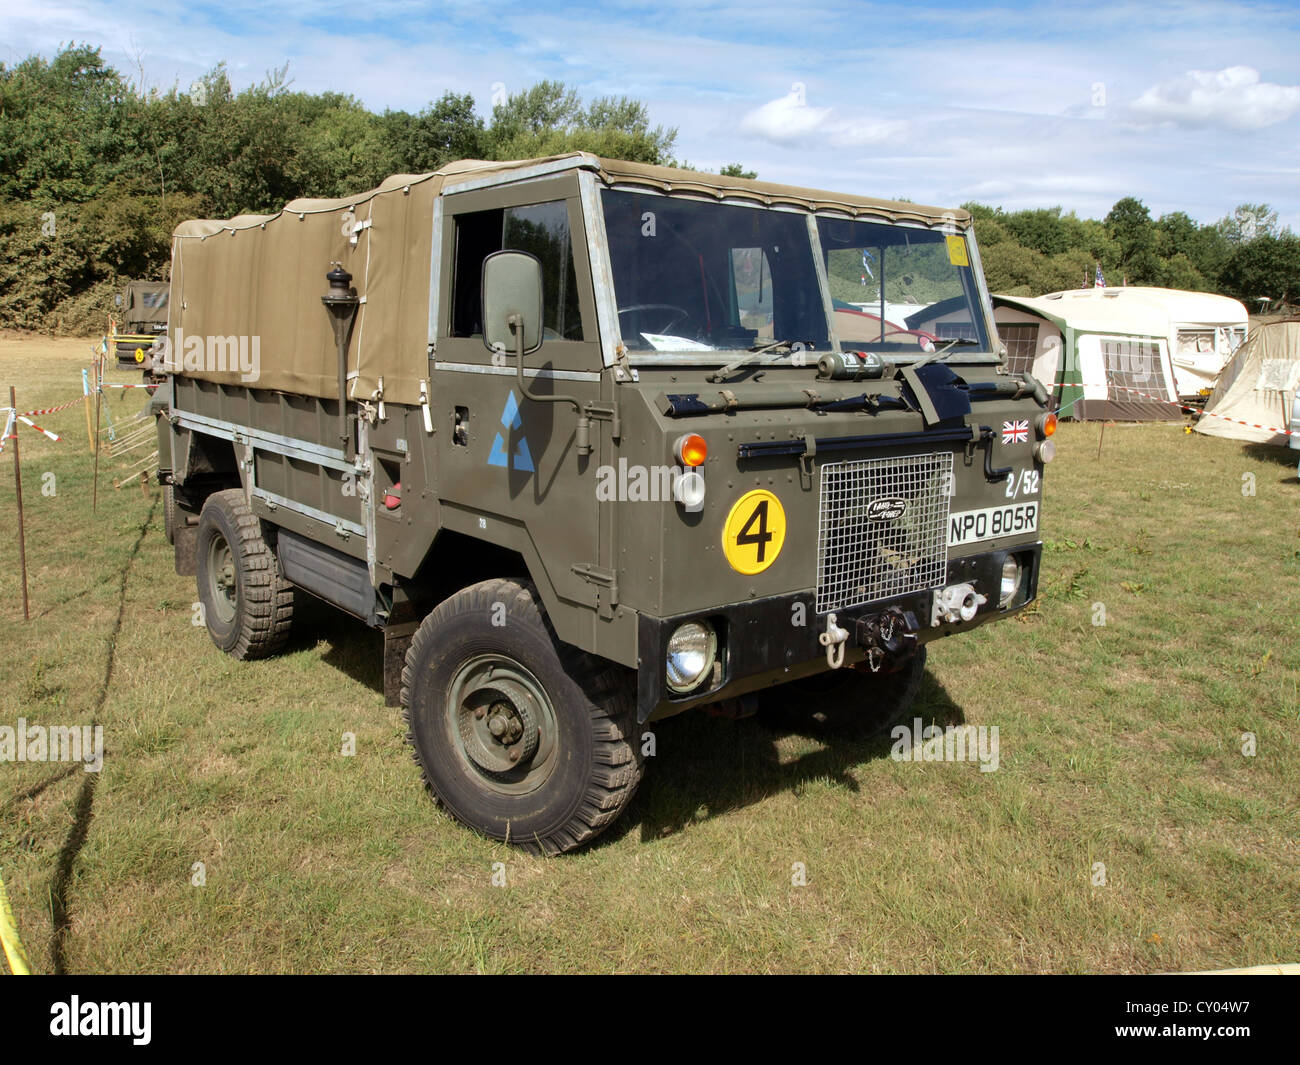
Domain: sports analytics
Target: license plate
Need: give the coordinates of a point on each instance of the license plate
(968, 526)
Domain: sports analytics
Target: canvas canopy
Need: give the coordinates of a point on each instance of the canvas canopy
(145, 303)
(1257, 387)
(257, 280)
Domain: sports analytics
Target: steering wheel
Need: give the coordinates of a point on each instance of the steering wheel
(920, 334)
(679, 314)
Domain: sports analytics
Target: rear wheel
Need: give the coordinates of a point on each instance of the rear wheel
(846, 701)
(247, 605)
(518, 735)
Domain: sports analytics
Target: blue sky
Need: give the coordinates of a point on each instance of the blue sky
(1189, 106)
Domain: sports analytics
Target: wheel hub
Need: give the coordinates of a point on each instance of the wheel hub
(499, 725)
(223, 581)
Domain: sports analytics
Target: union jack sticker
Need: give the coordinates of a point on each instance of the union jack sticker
(1016, 432)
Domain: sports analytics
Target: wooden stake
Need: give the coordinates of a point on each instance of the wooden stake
(99, 393)
(1100, 437)
(90, 431)
(18, 488)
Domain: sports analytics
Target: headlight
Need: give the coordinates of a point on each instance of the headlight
(691, 650)
(689, 490)
(1045, 451)
(1010, 580)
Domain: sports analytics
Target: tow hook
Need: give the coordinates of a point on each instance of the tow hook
(834, 639)
(956, 603)
(888, 637)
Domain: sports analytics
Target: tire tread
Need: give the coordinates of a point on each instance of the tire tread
(617, 765)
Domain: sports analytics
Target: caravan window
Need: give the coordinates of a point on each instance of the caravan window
(1195, 341)
(1132, 366)
(1022, 345)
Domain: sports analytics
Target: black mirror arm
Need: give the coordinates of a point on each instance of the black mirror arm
(516, 323)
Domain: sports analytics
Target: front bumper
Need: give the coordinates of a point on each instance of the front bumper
(766, 642)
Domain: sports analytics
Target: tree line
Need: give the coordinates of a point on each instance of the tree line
(97, 170)
(1245, 254)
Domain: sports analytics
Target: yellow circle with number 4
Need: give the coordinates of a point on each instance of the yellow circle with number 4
(755, 532)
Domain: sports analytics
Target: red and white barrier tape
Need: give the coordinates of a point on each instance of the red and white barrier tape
(27, 421)
(1181, 406)
(54, 410)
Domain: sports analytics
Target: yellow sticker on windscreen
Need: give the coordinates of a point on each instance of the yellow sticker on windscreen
(754, 533)
(957, 251)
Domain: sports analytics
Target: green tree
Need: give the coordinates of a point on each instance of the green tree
(549, 119)
(1130, 227)
(447, 130)
(65, 128)
(1267, 266)
(737, 170)
(1014, 270)
(1248, 221)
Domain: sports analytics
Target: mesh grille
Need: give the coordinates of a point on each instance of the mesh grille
(862, 555)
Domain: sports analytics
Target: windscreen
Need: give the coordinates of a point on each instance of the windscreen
(696, 277)
(898, 289)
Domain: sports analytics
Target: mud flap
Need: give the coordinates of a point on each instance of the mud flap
(397, 638)
(187, 542)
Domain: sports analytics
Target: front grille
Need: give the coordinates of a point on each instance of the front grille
(862, 553)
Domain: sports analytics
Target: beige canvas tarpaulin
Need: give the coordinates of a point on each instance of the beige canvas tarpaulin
(263, 276)
(1257, 387)
(258, 279)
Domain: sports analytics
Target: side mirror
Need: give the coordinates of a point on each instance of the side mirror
(512, 286)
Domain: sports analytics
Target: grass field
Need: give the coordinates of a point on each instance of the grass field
(1121, 744)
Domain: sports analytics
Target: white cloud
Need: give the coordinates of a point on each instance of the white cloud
(1233, 98)
(790, 120)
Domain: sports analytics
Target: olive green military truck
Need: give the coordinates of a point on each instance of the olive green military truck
(143, 308)
(593, 443)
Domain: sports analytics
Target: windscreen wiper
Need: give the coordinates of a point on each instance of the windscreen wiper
(941, 354)
(776, 347)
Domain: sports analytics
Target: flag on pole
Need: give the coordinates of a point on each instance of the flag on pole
(1099, 281)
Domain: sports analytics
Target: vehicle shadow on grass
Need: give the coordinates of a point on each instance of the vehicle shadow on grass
(1283, 457)
(353, 648)
(704, 766)
(707, 766)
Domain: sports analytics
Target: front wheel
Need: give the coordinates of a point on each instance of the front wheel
(846, 701)
(519, 736)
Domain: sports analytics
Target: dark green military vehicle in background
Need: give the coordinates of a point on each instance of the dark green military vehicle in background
(143, 309)
(594, 443)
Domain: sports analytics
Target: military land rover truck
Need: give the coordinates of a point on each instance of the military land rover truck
(593, 443)
(143, 307)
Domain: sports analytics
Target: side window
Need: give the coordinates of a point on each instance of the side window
(541, 229)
